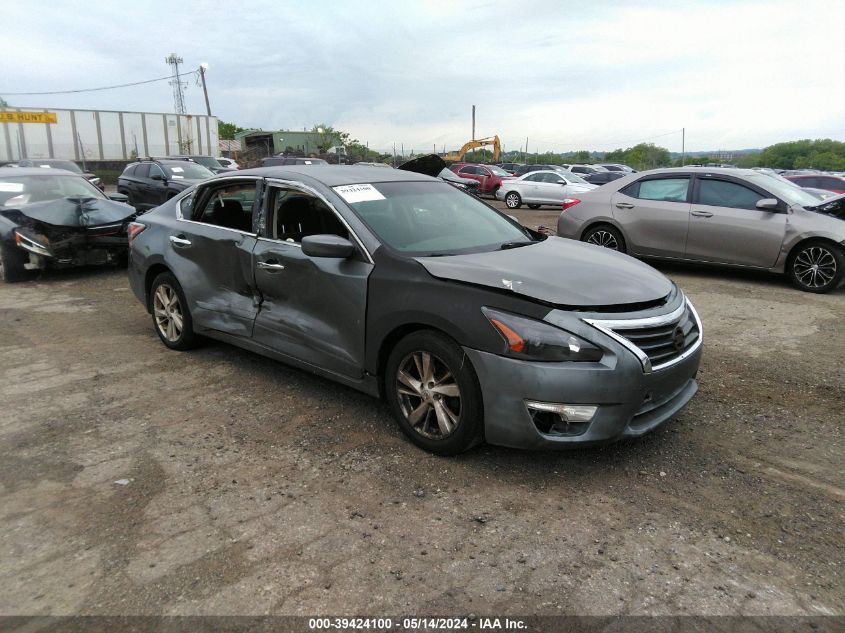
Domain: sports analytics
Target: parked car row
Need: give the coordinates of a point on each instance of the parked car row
(55, 163)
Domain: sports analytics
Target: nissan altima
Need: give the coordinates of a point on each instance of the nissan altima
(469, 325)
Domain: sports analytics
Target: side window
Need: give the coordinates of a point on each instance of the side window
(533, 177)
(721, 193)
(659, 189)
(229, 207)
(130, 170)
(296, 214)
(142, 170)
(155, 170)
(832, 183)
(552, 178)
(468, 170)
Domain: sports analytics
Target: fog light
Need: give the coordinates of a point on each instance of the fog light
(554, 418)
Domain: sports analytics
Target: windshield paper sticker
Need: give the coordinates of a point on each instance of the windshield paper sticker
(176, 169)
(358, 193)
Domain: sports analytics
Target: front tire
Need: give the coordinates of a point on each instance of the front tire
(513, 200)
(171, 317)
(606, 236)
(433, 393)
(12, 261)
(816, 267)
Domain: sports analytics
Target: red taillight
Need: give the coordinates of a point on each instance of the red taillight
(134, 229)
(570, 202)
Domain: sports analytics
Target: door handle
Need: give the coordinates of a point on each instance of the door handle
(702, 214)
(179, 241)
(624, 205)
(271, 265)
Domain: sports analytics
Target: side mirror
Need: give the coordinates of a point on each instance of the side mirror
(158, 177)
(327, 246)
(768, 204)
(118, 197)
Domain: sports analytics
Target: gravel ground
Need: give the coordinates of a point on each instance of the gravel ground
(136, 480)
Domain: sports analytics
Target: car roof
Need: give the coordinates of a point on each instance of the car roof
(37, 171)
(333, 175)
(725, 171)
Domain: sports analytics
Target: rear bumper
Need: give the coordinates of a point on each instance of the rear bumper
(630, 402)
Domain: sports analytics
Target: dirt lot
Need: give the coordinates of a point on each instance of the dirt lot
(252, 488)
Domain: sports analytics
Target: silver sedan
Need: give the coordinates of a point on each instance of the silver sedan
(733, 217)
(542, 187)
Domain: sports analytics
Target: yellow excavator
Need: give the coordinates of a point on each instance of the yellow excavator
(458, 156)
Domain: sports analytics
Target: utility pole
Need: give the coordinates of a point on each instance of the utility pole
(394, 154)
(81, 151)
(683, 146)
(473, 123)
(526, 150)
(203, 68)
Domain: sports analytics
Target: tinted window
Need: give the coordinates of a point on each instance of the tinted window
(830, 183)
(721, 193)
(229, 207)
(468, 170)
(130, 169)
(155, 170)
(534, 178)
(142, 170)
(297, 215)
(663, 189)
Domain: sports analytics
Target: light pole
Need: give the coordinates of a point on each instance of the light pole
(203, 68)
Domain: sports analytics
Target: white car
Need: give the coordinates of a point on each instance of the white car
(541, 187)
(228, 163)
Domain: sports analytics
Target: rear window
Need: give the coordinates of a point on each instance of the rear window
(130, 170)
(659, 189)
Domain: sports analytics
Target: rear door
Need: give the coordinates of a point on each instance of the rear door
(654, 214)
(313, 308)
(211, 254)
(138, 183)
(727, 227)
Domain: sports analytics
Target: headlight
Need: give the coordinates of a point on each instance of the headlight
(30, 243)
(530, 339)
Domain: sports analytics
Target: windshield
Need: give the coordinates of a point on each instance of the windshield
(188, 170)
(574, 178)
(498, 171)
(788, 192)
(431, 218)
(20, 190)
(207, 161)
(59, 164)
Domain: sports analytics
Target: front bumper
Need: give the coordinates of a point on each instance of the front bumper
(630, 401)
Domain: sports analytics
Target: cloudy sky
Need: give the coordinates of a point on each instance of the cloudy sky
(567, 75)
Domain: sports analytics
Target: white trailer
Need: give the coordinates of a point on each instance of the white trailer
(103, 134)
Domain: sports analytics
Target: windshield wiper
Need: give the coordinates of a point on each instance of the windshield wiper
(506, 245)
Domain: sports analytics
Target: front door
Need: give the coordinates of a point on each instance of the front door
(727, 227)
(212, 255)
(312, 308)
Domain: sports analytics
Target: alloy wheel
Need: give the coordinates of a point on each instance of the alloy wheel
(604, 238)
(512, 200)
(815, 267)
(168, 313)
(428, 395)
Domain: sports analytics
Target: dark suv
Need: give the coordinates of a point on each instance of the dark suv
(148, 183)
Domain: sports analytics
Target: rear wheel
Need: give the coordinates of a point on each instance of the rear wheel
(606, 236)
(816, 267)
(12, 262)
(434, 394)
(513, 200)
(533, 206)
(171, 317)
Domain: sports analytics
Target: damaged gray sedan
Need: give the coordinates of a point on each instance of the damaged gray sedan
(56, 219)
(471, 327)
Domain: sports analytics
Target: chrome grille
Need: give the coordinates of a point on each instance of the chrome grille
(658, 342)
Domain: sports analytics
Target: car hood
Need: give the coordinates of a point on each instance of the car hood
(559, 271)
(77, 211)
(428, 165)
